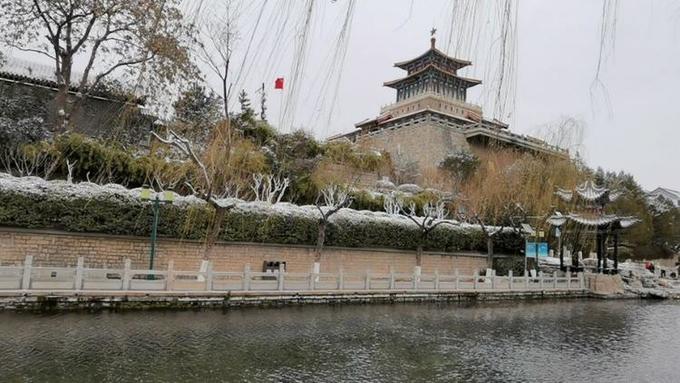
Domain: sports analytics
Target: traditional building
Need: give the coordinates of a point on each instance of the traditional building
(104, 113)
(432, 118)
(590, 220)
(665, 194)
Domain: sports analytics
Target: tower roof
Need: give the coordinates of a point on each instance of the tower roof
(434, 52)
(428, 68)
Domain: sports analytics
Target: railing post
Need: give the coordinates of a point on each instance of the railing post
(415, 278)
(457, 274)
(341, 279)
(475, 276)
(209, 277)
(568, 279)
(127, 274)
(367, 281)
(436, 279)
(312, 277)
(510, 279)
(526, 279)
(540, 279)
(246, 277)
(78, 282)
(170, 277)
(493, 279)
(554, 279)
(280, 277)
(391, 283)
(26, 279)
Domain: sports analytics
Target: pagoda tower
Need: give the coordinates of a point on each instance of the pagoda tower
(431, 117)
(432, 81)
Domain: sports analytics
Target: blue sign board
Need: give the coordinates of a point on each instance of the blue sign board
(530, 249)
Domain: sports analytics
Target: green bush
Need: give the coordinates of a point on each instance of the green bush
(119, 215)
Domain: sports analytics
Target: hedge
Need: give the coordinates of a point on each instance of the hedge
(122, 214)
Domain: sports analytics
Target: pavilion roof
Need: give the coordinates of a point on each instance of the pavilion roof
(589, 192)
(592, 219)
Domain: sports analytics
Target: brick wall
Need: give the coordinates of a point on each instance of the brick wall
(426, 143)
(60, 248)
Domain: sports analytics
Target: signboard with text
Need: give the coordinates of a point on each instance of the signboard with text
(530, 249)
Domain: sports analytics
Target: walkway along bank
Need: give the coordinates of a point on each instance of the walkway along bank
(45, 287)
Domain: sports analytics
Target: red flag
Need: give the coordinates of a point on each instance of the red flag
(278, 84)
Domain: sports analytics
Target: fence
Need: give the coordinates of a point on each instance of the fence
(80, 278)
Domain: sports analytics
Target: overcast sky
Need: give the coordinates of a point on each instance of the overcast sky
(557, 52)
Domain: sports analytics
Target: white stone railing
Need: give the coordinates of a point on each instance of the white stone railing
(29, 277)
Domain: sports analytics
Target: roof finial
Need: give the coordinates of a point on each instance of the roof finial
(432, 38)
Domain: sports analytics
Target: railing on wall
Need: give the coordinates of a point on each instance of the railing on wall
(80, 278)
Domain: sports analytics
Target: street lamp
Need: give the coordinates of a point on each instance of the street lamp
(158, 198)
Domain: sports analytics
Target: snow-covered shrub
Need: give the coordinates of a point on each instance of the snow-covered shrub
(460, 164)
(32, 202)
(409, 188)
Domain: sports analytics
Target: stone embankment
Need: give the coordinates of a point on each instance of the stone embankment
(124, 300)
(632, 285)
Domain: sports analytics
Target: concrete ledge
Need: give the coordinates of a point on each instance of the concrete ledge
(125, 300)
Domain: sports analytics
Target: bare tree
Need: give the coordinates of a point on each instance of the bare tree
(269, 188)
(24, 162)
(434, 215)
(329, 201)
(220, 197)
(218, 38)
(506, 220)
(108, 35)
(392, 204)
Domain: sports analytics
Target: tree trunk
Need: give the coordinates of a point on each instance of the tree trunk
(489, 251)
(61, 109)
(320, 239)
(215, 229)
(419, 255)
(225, 90)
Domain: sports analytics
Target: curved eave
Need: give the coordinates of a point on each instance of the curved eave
(460, 63)
(593, 221)
(469, 81)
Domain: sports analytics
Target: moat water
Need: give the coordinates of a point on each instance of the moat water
(556, 341)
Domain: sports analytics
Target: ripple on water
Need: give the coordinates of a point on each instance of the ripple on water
(513, 341)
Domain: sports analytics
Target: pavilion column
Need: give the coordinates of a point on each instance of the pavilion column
(604, 252)
(616, 252)
(598, 244)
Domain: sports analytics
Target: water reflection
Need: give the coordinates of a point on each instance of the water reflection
(550, 341)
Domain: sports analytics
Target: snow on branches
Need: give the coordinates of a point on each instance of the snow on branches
(269, 188)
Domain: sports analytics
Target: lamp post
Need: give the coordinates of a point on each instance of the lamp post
(167, 197)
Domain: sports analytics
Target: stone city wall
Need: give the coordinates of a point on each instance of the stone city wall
(53, 248)
(426, 143)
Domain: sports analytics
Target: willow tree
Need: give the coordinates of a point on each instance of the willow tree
(219, 171)
(509, 188)
(145, 39)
